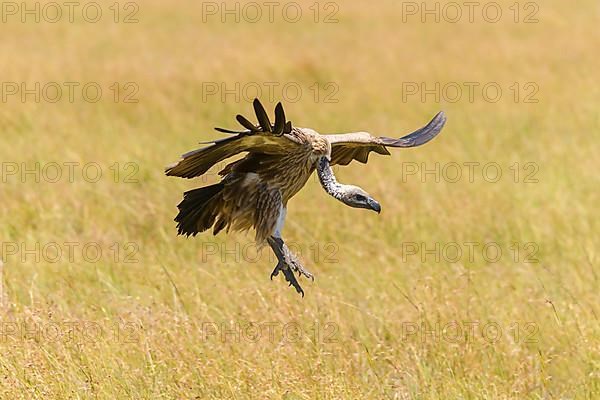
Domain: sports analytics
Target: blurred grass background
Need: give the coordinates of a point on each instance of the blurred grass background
(155, 310)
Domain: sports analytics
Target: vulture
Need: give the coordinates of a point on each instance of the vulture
(254, 190)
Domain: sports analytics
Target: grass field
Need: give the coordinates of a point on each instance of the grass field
(472, 286)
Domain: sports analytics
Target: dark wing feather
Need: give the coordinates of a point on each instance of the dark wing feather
(261, 115)
(420, 136)
(279, 120)
(246, 124)
(358, 145)
(223, 130)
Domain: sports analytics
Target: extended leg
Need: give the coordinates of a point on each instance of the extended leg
(287, 263)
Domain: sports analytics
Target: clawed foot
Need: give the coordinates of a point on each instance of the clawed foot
(288, 263)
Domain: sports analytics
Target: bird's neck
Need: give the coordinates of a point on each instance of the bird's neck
(327, 179)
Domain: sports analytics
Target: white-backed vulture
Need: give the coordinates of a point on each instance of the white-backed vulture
(255, 190)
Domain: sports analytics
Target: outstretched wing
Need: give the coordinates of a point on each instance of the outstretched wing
(346, 147)
(262, 138)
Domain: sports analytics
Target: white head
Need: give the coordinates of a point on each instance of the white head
(354, 196)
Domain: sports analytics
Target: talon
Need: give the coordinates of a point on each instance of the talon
(275, 271)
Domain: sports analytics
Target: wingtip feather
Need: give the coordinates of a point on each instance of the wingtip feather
(261, 115)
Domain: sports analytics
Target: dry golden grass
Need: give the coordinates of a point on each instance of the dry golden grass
(111, 329)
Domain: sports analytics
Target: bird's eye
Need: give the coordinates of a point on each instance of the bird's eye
(359, 197)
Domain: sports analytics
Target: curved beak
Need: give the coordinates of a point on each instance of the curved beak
(374, 205)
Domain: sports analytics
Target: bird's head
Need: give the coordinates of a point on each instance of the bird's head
(354, 196)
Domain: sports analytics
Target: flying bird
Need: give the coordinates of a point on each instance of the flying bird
(254, 191)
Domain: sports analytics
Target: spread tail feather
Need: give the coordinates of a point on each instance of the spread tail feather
(196, 213)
